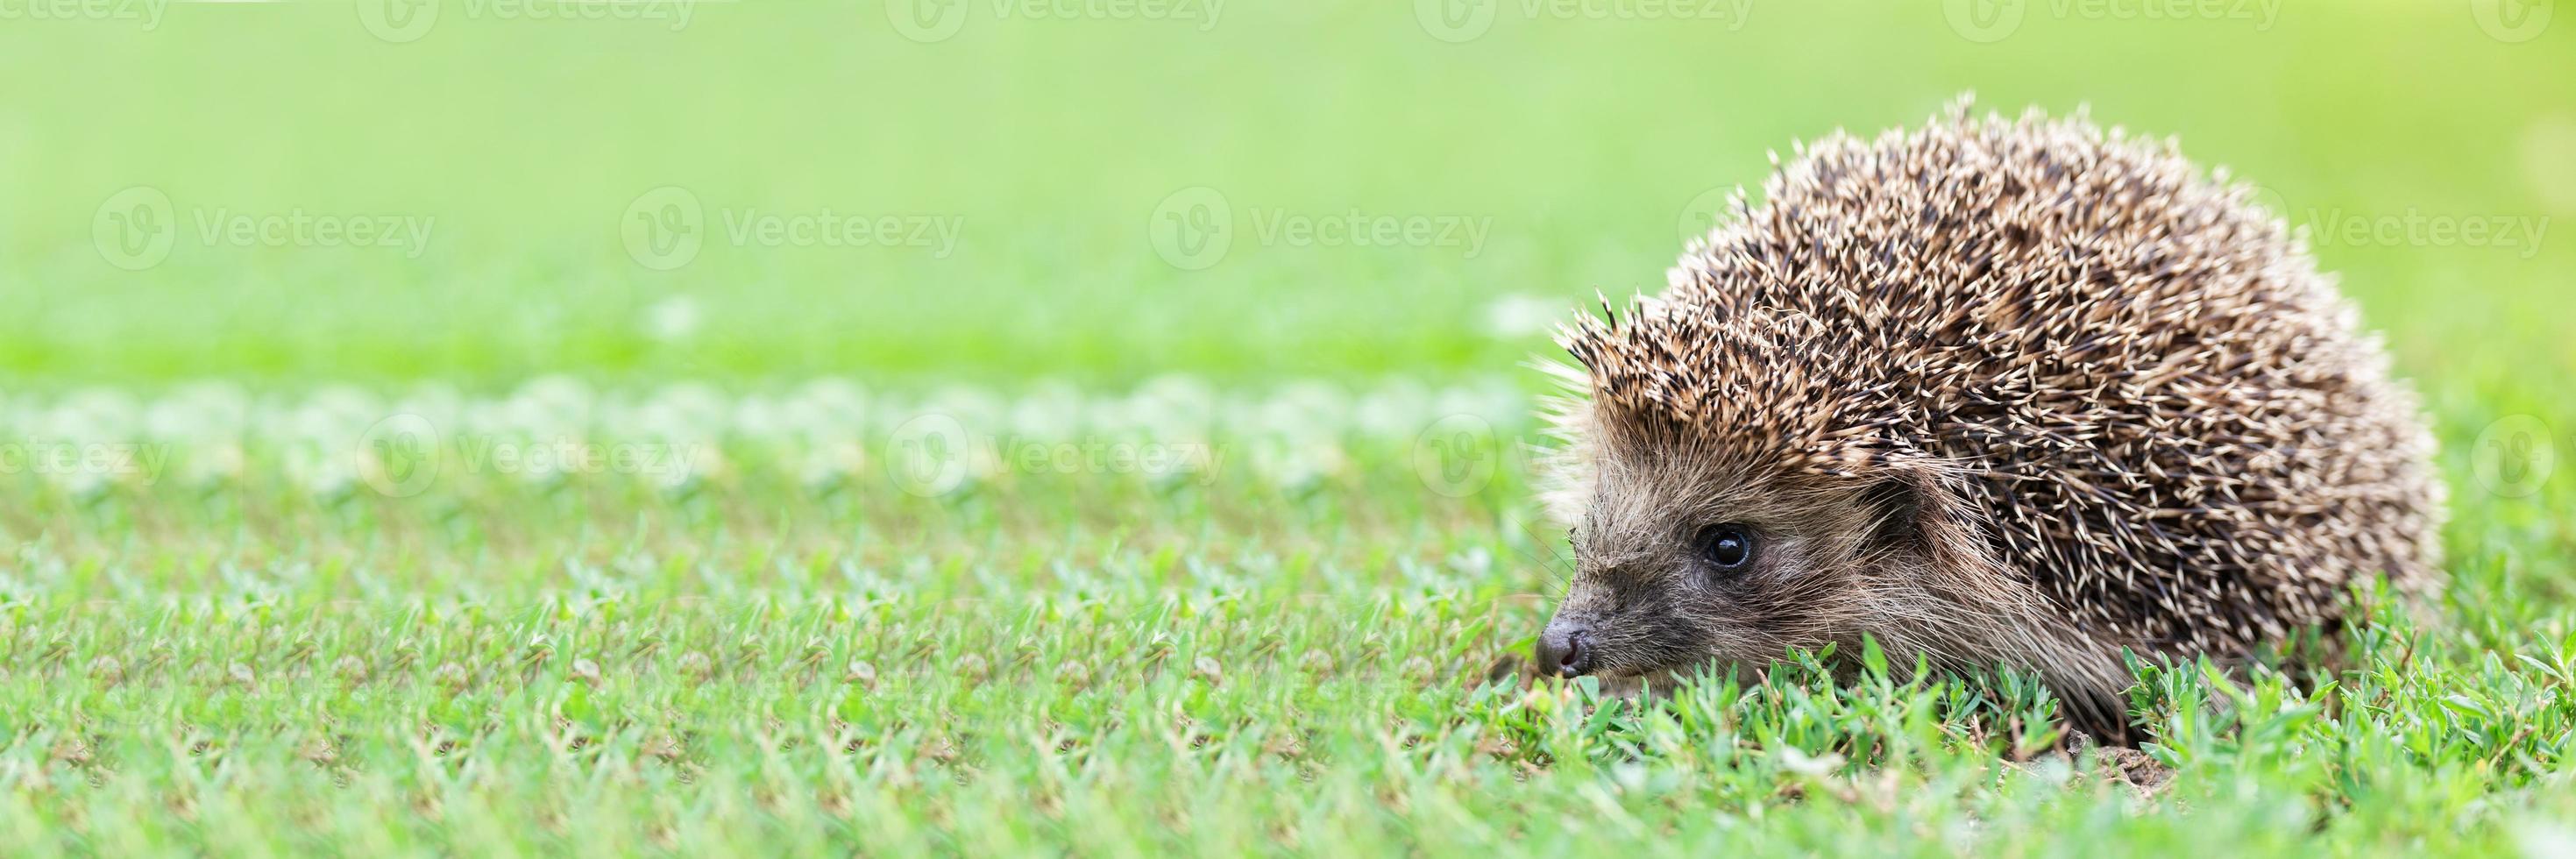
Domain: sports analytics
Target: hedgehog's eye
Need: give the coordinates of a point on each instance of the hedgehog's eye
(1728, 547)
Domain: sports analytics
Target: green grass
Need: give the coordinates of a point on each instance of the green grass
(1139, 719)
(1272, 657)
(523, 545)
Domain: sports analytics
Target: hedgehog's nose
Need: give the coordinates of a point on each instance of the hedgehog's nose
(1565, 649)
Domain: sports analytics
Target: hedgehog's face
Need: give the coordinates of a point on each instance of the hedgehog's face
(1682, 564)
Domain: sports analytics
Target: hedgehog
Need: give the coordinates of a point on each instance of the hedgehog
(1990, 393)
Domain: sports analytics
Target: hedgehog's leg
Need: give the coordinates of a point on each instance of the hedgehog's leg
(2102, 718)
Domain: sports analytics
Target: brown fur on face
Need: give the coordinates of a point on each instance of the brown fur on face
(1995, 393)
(1653, 601)
(1838, 558)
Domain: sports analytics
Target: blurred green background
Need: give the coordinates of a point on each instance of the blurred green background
(1028, 161)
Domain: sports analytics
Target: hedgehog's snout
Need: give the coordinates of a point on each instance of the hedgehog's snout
(1566, 649)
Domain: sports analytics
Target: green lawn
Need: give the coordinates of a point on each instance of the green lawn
(784, 431)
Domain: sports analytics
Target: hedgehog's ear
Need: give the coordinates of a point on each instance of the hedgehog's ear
(1895, 508)
(1920, 507)
(1911, 506)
